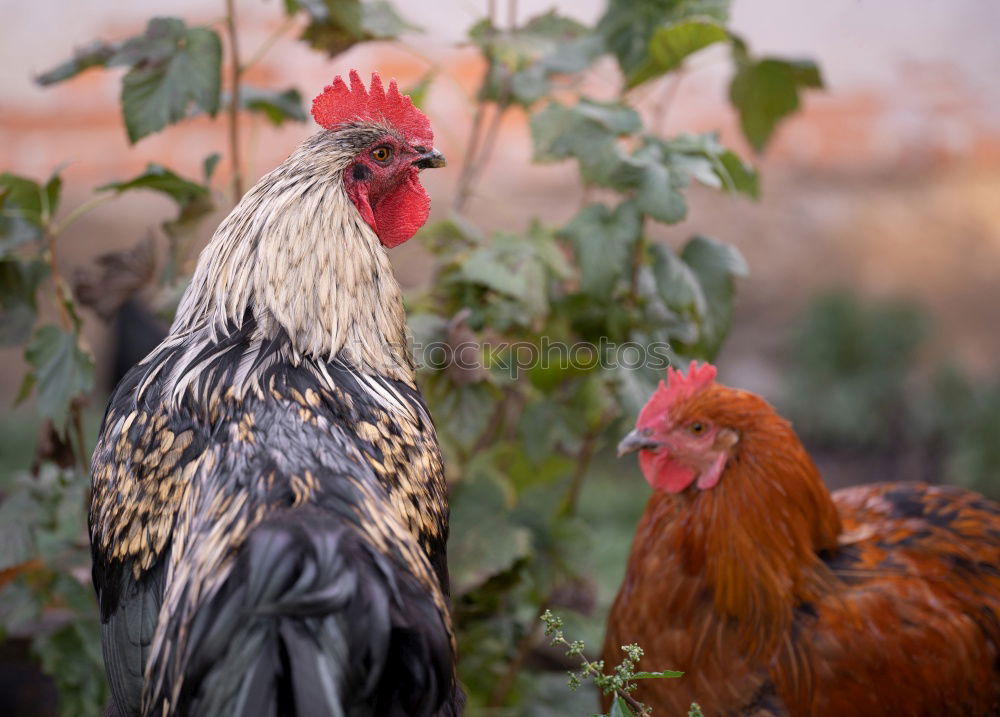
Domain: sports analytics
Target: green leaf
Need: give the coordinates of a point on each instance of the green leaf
(96, 54)
(657, 197)
(676, 282)
(672, 44)
(160, 179)
(736, 175)
(209, 165)
(486, 542)
(173, 67)
(620, 708)
(603, 241)
(19, 281)
(628, 25)
(381, 21)
(765, 91)
(716, 266)
(704, 158)
(514, 265)
(586, 132)
(60, 370)
(522, 60)
(336, 25)
(18, 513)
(25, 209)
(663, 674)
(276, 106)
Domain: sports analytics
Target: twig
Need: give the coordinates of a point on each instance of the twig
(666, 101)
(266, 46)
(236, 72)
(63, 299)
(481, 145)
(633, 286)
(58, 227)
(464, 189)
(583, 459)
(524, 646)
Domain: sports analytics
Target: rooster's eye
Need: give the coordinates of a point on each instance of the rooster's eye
(381, 154)
(697, 428)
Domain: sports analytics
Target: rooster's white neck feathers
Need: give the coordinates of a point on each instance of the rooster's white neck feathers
(297, 254)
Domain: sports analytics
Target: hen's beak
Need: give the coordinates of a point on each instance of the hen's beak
(637, 440)
(430, 159)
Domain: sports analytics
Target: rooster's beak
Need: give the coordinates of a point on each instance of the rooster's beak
(637, 440)
(430, 159)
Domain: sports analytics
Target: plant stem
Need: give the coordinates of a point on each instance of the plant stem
(58, 227)
(464, 189)
(583, 459)
(236, 72)
(63, 299)
(268, 44)
(524, 646)
(481, 145)
(633, 286)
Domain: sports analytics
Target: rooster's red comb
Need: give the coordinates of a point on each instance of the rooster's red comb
(339, 104)
(679, 387)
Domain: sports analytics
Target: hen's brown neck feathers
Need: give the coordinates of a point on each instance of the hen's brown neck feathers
(296, 253)
(752, 540)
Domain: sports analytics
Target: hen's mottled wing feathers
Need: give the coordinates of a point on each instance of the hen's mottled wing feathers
(920, 606)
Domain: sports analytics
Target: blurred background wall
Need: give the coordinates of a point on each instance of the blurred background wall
(887, 183)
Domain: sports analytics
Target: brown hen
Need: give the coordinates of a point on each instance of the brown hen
(776, 597)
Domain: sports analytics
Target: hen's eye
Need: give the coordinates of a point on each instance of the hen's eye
(381, 154)
(697, 428)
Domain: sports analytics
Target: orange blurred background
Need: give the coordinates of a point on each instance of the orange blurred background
(888, 182)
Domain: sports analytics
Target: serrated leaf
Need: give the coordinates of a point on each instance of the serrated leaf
(716, 266)
(523, 59)
(705, 159)
(160, 179)
(657, 197)
(736, 175)
(60, 371)
(19, 281)
(25, 208)
(96, 54)
(18, 512)
(765, 91)
(336, 25)
(276, 106)
(662, 674)
(586, 132)
(381, 21)
(676, 283)
(209, 164)
(603, 241)
(672, 44)
(173, 68)
(487, 542)
(510, 264)
(620, 708)
(628, 25)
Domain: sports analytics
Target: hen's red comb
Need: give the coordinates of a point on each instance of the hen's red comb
(679, 388)
(339, 104)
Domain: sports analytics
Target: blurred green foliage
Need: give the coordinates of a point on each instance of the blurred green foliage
(520, 437)
(859, 380)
